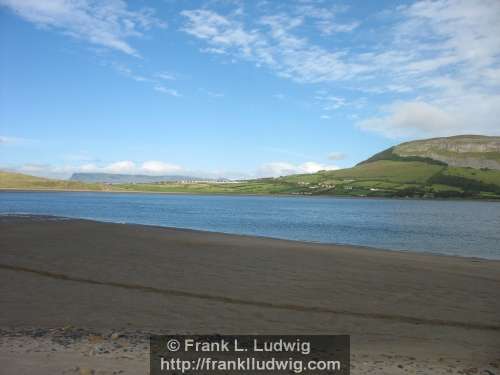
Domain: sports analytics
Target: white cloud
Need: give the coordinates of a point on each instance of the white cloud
(108, 24)
(276, 169)
(325, 18)
(218, 30)
(452, 50)
(168, 91)
(271, 42)
(125, 166)
(127, 72)
(155, 81)
(329, 28)
(166, 76)
(218, 51)
(155, 167)
(150, 167)
(212, 94)
(331, 102)
(410, 119)
(478, 115)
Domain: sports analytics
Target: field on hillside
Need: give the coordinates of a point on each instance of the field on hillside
(10, 180)
(264, 186)
(403, 178)
(381, 178)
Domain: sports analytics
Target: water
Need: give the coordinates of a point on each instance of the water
(466, 228)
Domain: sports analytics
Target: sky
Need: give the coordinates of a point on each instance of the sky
(238, 89)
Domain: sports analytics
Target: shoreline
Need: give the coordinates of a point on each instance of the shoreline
(41, 190)
(250, 236)
(98, 286)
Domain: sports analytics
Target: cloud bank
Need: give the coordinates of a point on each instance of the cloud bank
(151, 167)
(160, 168)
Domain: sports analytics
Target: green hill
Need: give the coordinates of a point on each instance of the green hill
(455, 167)
(391, 178)
(10, 180)
(460, 166)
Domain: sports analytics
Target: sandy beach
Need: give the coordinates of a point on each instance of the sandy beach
(80, 296)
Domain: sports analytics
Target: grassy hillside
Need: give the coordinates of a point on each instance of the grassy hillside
(263, 186)
(389, 173)
(9, 180)
(388, 170)
(382, 178)
(427, 180)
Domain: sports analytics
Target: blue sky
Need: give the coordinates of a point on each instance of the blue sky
(238, 88)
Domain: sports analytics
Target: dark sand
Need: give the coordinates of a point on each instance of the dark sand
(405, 312)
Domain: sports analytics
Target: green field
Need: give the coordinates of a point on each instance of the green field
(383, 175)
(9, 180)
(383, 178)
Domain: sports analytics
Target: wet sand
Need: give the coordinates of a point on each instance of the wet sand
(91, 282)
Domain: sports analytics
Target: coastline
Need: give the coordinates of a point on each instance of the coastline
(451, 199)
(440, 310)
(249, 236)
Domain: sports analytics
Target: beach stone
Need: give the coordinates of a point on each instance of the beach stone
(98, 349)
(67, 328)
(471, 371)
(115, 336)
(86, 371)
(94, 339)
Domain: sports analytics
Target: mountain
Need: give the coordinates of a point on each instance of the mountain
(459, 166)
(474, 151)
(112, 178)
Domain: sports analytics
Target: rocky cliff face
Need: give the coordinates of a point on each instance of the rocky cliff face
(460, 151)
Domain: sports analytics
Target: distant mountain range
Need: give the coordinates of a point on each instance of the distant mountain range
(112, 178)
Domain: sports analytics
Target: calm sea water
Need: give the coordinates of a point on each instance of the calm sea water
(466, 228)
